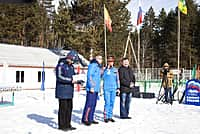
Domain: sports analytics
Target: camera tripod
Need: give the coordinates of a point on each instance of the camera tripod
(161, 96)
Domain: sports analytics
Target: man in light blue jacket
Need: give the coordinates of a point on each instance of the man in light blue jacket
(92, 88)
(110, 86)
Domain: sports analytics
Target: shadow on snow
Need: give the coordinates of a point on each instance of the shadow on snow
(44, 120)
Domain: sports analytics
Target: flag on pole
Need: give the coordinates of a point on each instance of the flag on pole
(107, 19)
(139, 17)
(43, 78)
(182, 6)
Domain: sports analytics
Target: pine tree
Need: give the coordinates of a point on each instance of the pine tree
(90, 23)
(20, 24)
(47, 17)
(196, 37)
(192, 29)
(147, 37)
(32, 24)
(188, 26)
(64, 27)
(170, 36)
(85, 14)
(10, 25)
(160, 39)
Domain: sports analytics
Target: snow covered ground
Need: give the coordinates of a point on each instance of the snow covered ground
(34, 114)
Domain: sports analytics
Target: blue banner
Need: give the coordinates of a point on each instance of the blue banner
(192, 93)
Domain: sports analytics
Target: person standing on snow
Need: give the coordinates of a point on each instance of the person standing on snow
(64, 92)
(92, 90)
(110, 86)
(127, 83)
(167, 83)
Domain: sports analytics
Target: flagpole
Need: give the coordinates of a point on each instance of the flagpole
(139, 5)
(105, 47)
(138, 49)
(43, 80)
(178, 43)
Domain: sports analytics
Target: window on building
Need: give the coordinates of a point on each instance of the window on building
(22, 76)
(19, 76)
(39, 76)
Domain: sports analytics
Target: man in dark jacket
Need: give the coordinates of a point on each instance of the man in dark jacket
(127, 83)
(64, 92)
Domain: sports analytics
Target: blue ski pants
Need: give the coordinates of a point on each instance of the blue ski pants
(90, 105)
(109, 98)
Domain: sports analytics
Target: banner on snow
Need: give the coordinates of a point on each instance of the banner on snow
(192, 93)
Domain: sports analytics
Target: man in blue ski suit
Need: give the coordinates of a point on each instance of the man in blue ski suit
(92, 88)
(110, 86)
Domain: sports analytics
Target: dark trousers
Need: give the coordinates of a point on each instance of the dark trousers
(125, 100)
(90, 105)
(64, 113)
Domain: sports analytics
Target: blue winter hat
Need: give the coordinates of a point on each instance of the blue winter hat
(73, 56)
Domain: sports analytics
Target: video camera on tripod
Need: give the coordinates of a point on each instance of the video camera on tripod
(165, 71)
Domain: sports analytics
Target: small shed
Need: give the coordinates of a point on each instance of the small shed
(22, 66)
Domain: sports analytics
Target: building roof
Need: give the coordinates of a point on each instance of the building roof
(26, 56)
(15, 55)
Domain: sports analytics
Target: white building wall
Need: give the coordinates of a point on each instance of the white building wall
(50, 80)
(30, 60)
(8, 77)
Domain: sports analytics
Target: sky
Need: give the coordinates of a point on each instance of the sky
(156, 4)
(146, 4)
(36, 112)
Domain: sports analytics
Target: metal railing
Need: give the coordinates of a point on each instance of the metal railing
(149, 79)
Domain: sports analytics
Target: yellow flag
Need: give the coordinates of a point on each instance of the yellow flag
(182, 6)
(107, 19)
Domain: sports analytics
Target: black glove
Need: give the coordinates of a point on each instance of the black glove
(80, 82)
(117, 92)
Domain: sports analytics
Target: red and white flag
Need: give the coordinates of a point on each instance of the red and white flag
(139, 17)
